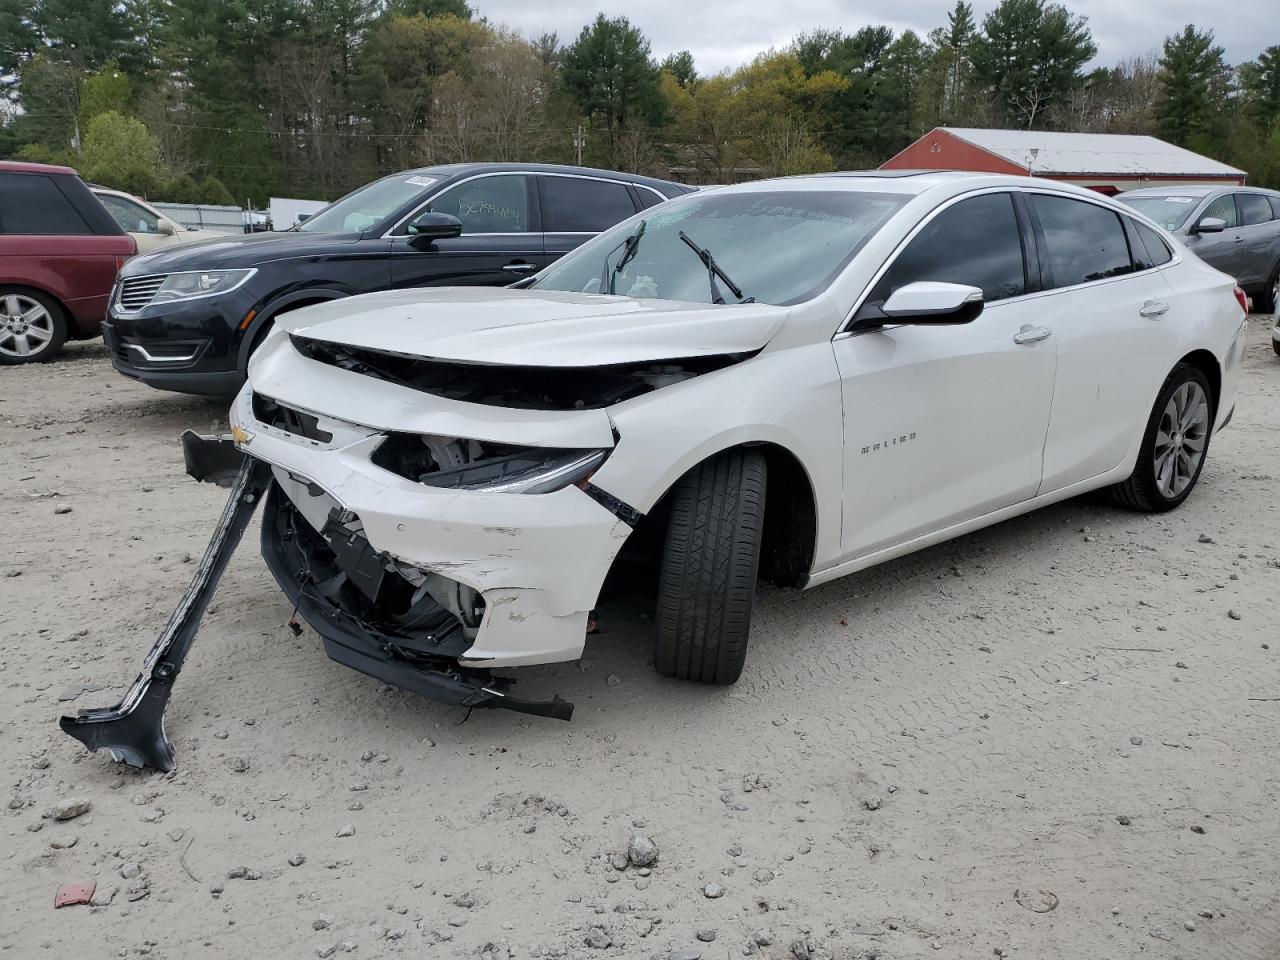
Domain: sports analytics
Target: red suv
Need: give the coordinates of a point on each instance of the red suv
(59, 254)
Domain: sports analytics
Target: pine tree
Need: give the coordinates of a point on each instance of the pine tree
(1194, 84)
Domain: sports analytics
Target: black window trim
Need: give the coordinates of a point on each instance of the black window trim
(844, 331)
(629, 187)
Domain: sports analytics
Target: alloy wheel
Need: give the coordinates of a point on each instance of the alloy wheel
(1181, 438)
(26, 326)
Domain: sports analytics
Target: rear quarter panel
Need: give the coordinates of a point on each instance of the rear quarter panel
(1209, 318)
(77, 271)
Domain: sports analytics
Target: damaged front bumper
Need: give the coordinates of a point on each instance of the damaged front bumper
(325, 570)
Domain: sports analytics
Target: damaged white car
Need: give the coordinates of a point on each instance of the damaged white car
(789, 380)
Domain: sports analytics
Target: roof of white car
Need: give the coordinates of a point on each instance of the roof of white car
(1091, 153)
(889, 181)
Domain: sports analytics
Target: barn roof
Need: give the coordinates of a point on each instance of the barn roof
(1092, 153)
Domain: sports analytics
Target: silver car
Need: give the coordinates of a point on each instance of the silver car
(1236, 229)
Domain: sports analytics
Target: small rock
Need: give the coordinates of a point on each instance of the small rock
(706, 935)
(1196, 828)
(321, 923)
(1123, 820)
(1205, 538)
(871, 803)
(70, 808)
(103, 896)
(1136, 741)
(1189, 925)
(297, 860)
(1233, 614)
(346, 830)
(326, 951)
(64, 842)
(139, 889)
(62, 508)
(682, 953)
(598, 939)
(613, 680)
(466, 900)
(238, 764)
(642, 851)
(762, 938)
(800, 950)
(1160, 933)
(763, 876)
(618, 861)
(130, 870)
(713, 891)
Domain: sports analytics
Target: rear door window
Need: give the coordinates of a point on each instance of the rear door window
(975, 242)
(31, 204)
(1253, 208)
(1084, 241)
(488, 204)
(582, 205)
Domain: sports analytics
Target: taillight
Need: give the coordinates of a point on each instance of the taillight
(1242, 300)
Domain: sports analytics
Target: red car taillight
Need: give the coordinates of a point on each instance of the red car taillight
(1242, 300)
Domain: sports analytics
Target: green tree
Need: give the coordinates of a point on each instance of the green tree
(680, 66)
(1194, 83)
(1029, 56)
(18, 41)
(119, 152)
(104, 90)
(610, 74)
(1261, 82)
(213, 191)
(430, 8)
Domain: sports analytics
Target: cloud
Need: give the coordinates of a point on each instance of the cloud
(723, 34)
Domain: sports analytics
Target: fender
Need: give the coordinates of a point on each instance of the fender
(267, 314)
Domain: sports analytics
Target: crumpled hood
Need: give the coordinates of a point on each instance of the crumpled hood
(535, 328)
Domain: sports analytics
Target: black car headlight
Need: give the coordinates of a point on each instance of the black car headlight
(460, 464)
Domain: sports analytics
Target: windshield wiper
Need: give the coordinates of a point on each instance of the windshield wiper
(713, 271)
(608, 277)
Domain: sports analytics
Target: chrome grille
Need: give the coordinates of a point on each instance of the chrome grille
(137, 292)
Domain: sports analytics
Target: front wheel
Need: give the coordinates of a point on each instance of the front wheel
(709, 564)
(32, 326)
(1174, 446)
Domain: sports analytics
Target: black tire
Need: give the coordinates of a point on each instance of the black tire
(709, 563)
(9, 337)
(1275, 345)
(1266, 300)
(1141, 491)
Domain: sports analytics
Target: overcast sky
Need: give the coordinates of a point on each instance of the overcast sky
(726, 33)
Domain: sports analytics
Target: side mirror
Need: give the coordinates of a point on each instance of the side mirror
(1210, 225)
(166, 227)
(435, 226)
(929, 302)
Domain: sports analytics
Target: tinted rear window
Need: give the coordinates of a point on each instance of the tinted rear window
(1253, 208)
(1085, 241)
(1154, 250)
(32, 204)
(575, 205)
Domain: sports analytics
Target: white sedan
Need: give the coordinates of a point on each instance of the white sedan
(788, 380)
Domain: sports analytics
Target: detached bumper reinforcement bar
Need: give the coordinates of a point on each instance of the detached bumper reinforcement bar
(133, 730)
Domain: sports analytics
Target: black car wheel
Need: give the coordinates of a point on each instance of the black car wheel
(1174, 445)
(709, 564)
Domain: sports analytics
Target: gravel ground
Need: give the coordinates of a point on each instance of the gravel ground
(1054, 738)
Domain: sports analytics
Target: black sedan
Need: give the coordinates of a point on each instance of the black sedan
(188, 319)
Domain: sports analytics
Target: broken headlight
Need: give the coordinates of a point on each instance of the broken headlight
(461, 464)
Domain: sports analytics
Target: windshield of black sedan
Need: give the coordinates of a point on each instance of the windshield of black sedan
(780, 246)
(371, 204)
(1170, 212)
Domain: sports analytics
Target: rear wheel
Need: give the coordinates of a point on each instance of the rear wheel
(32, 326)
(709, 565)
(1174, 446)
(1269, 298)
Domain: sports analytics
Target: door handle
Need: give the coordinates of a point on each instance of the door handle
(1029, 334)
(1154, 308)
(1238, 240)
(520, 267)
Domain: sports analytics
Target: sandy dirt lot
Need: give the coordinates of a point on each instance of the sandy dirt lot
(1052, 739)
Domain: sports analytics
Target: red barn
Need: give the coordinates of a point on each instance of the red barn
(1106, 162)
